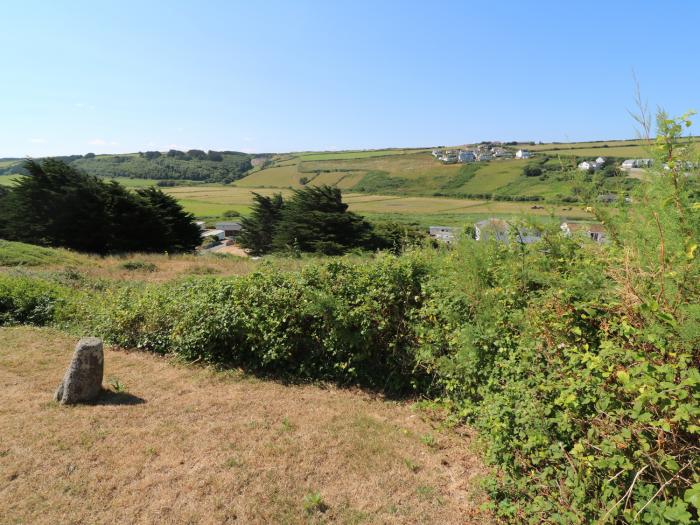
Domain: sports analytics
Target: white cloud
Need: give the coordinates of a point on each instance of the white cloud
(38, 141)
(97, 142)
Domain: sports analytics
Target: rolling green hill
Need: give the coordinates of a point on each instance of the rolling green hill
(411, 172)
(194, 165)
(418, 173)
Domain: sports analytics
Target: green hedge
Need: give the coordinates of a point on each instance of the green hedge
(337, 321)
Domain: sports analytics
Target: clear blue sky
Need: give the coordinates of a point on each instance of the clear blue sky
(123, 76)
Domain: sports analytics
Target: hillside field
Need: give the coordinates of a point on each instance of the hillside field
(209, 202)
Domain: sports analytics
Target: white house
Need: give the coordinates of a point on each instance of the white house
(522, 154)
(466, 156)
(588, 165)
(230, 229)
(442, 233)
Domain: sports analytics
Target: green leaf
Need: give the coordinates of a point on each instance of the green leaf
(692, 496)
(678, 513)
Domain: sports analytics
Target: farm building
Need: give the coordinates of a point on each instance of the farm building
(230, 229)
(218, 234)
(636, 163)
(522, 154)
(595, 232)
(491, 229)
(499, 230)
(442, 233)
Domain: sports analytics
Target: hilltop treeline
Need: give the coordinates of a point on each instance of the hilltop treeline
(57, 205)
(196, 165)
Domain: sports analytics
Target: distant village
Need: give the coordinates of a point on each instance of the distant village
(488, 151)
(502, 231)
(480, 153)
(223, 237)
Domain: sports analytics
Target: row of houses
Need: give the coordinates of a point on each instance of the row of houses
(502, 231)
(592, 165)
(481, 153)
(636, 163)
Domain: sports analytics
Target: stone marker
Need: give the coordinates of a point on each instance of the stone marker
(83, 379)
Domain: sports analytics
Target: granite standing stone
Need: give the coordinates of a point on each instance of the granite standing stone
(83, 379)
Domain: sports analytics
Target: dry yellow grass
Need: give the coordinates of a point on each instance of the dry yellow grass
(189, 445)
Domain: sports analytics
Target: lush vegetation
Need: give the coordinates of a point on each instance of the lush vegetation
(193, 165)
(57, 205)
(577, 363)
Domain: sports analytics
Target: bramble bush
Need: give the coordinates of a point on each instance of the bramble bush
(336, 321)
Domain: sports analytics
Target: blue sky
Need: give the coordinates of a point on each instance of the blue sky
(313, 75)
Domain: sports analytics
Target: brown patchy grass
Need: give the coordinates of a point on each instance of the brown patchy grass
(165, 267)
(186, 444)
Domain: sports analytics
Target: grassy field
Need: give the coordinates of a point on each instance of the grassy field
(133, 183)
(611, 148)
(212, 201)
(168, 443)
(416, 173)
(278, 177)
(144, 267)
(338, 155)
(493, 176)
(7, 180)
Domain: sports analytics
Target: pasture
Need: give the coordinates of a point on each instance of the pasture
(211, 201)
(361, 154)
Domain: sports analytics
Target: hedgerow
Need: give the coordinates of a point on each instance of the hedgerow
(337, 321)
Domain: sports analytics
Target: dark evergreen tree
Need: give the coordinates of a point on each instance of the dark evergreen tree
(56, 205)
(260, 225)
(181, 233)
(316, 219)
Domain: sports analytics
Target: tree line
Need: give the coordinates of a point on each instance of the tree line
(197, 165)
(56, 205)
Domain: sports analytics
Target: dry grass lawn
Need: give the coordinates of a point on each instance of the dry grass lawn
(183, 444)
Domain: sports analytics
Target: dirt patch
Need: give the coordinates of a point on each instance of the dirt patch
(171, 443)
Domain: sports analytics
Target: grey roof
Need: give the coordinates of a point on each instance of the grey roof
(229, 226)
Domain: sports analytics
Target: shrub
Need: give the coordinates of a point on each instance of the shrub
(141, 266)
(336, 321)
(26, 300)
